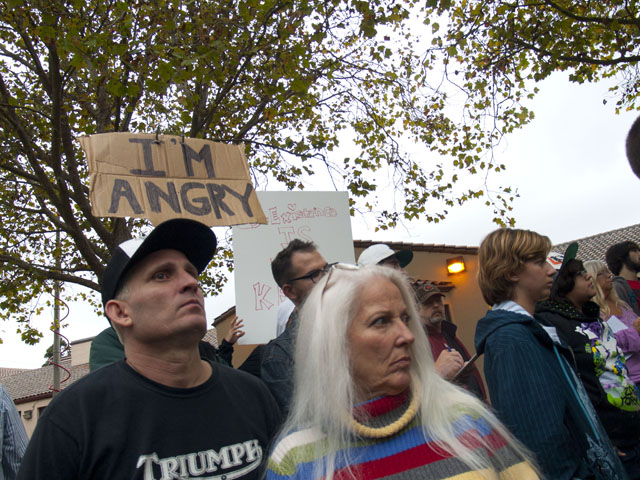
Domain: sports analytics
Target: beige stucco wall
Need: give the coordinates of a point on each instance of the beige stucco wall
(33, 407)
(81, 350)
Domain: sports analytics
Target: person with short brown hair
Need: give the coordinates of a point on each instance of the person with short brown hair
(296, 269)
(504, 252)
(529, 372)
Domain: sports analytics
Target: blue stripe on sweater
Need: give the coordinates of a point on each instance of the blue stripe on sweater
(412, 437)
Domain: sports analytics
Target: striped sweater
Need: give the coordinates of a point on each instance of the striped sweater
(407, 455)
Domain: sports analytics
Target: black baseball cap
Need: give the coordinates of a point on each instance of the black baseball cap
(559, 262)
(194, 239)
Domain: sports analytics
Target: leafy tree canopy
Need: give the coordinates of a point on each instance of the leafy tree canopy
(496, 50)
(289, 78)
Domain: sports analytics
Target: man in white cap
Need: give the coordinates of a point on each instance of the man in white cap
(381, 254)
(163, 411)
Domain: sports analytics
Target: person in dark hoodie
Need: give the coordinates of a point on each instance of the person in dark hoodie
(601, 364)
(529, 371)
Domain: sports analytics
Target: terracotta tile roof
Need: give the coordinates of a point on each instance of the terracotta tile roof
(33, 384)
(420, 247)
(5, 372)
(595, 246)
(25, 385)
(231, 311)
(212, 337)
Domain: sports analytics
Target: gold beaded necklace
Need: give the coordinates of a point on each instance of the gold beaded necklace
(392, 428)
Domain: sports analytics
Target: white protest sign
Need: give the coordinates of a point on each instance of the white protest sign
(616, 324)
(321, 217)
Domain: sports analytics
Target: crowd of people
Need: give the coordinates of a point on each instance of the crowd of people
(367, 378)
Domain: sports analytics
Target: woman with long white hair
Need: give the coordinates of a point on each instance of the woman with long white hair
(620, 317)
(368, 402)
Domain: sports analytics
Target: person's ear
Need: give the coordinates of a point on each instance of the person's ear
(513, 277)
(289, 292)
(118, 312)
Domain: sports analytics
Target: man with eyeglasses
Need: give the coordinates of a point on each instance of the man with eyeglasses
(296, 269)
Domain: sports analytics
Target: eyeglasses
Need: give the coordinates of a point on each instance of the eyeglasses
(605, 274)
(343, 266)
(314, 275)
(583, 274)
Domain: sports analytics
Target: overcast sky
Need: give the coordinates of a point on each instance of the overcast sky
(568, 165)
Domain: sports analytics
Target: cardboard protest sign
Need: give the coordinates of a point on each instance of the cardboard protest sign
(321, 217)
(165, 176)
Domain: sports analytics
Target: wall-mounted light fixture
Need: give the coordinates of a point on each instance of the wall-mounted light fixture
(455, 265)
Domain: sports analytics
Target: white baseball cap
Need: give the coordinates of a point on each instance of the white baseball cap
(379, 252)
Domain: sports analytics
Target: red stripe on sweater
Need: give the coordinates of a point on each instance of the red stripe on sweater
(400, 462)
(381, 405)
(416, 457)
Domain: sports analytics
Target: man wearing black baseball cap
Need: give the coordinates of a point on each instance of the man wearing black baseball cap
(163, 412)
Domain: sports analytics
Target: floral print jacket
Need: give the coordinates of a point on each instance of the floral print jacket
(601, 366)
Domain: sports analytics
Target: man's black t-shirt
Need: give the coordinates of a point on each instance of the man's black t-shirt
(115, 423)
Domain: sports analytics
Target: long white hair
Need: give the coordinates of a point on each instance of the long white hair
(324, 390)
